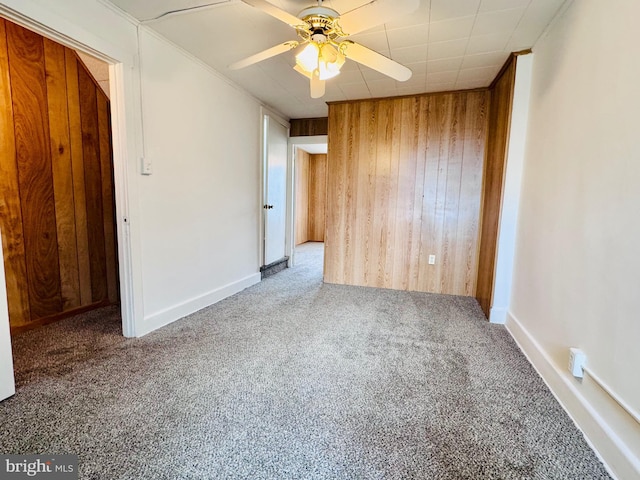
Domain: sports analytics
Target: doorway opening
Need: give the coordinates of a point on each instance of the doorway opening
(60, 254)
(309, 205)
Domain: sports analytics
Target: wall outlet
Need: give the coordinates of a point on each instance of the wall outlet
(577, 359)
(432, 259)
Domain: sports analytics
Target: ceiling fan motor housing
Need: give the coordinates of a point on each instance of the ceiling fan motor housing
(320, 23)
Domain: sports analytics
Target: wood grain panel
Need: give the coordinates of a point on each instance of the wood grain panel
(302, 197)
(56, 182)
(77, 166)
(60, 147)
(337, 146)
(10, 211)
(317, 196)
(496, 154)
(418, 271)
(471, 182)
(402, 253)
(403, 183)
(364, 203)
(29, 98)
(108, 200)
(93, 184)
(308, 127)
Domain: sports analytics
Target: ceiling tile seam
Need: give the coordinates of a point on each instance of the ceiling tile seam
(466, 47)
(558, 13)
(428, 43)
(518, 24)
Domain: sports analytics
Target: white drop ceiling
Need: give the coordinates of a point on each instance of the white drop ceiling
(448, 44)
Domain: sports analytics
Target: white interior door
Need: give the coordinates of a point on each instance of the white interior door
(275, 189)
(7, 383)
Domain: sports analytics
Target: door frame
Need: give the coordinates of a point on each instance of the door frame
(264, 114)
(7, 380)
(294, 143)
(122, 86)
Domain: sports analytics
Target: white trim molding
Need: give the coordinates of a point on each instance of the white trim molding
(612, 433)
(170, 315)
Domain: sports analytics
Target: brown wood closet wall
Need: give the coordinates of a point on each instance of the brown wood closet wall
(501, 91)
(56, 183)
(302, 197)
(305, 127)
(311, 188)
(404, 182)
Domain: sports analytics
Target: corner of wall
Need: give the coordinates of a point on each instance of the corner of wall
(608, 429)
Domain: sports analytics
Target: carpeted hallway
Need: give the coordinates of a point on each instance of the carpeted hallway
(294, 379)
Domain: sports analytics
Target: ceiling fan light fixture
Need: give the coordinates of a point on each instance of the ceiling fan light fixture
(330, 62)
(307, 59)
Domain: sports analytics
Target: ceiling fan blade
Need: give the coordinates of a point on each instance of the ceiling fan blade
(317, 85)
(258, 57)
(375, 13)
(275, 12)
(371, 59)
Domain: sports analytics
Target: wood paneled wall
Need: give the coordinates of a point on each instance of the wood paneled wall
(404, 182)
(311, 194)
(317, 197)
(302, 197)
(56, 182)
(308, 127)
(501, 92)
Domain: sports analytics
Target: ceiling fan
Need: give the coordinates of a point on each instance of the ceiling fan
(323, 44)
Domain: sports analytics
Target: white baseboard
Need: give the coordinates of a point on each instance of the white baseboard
(610, 431)
(169, 315)
(498, 315)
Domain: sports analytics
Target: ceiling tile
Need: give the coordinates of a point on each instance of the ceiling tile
(375, 41)
(482, 74)
(485, 60)
(450, 29)
(442, 77)
(445, 9)
(145, 10)
(407, 37)
(419, 17)
(410, 54)
(493, 5)
(413, 81)
(468, 85)
(448, 64)
(383, 89)
(441, 50)
(440, 87)
(350, 76)
(417, 68)
(487, 43)
(497, 22)
(333, 93)
(355, 90)
(534, 21)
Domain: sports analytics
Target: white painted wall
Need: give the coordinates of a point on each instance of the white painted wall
(577, 264)
(199, 209)
(187, 234)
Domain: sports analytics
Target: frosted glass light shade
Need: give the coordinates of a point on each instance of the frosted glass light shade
(307, 59)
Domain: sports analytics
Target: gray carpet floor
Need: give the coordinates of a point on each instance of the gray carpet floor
(294, 379)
